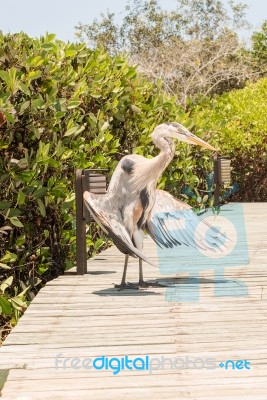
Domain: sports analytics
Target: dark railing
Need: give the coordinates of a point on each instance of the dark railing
(93, 181)
(222, 174)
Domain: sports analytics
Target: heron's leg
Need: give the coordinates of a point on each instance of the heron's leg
(123, 284)
(138, 237)
(124, 271)
(141, 278)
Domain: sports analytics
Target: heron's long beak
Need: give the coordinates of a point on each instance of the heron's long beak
(196, 140)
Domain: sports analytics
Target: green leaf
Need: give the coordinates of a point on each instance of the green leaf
(70, 52)
(24, 106)
(6, 306)
(40, 192)
(68, 201)
(108, 137)
(71, 131)
(4, 266)
(37, 103)
(73, 104)
(41, 207)
(49, 46)
(99, 243)
(5, 205)
(60, 114)
(67, 154)
(21, 198)
(24, 88)
(135, 108)
(10, 78)
(15, 221)
(8, 257)
(4, 75)
(13, 212)
(18, 303)
(10, 117)
(50, 37)
(93, 117)
(117, 90)
(70, 198)
(36, 61)
(20, 240)
(42, 269)
(34, 75)
(6, 284)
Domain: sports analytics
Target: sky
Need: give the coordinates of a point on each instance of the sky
(37, 17)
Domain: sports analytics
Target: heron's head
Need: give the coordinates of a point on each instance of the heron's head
(178, 131)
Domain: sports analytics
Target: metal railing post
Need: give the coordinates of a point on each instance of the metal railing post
(95, 182)
(81, 261)
(222, 174)
(217, 182)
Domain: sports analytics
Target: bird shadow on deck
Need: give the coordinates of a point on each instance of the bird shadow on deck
(168, 282)
(159, 283)
(125, 292)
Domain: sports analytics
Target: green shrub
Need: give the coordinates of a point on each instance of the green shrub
(236, 123)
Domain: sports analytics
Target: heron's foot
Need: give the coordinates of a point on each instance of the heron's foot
(127, 285)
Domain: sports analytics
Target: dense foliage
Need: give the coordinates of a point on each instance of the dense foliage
(63, 107)
(237, 125)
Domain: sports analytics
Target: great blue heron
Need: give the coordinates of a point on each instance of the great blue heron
(132, 203)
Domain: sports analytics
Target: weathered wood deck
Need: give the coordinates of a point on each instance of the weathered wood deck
(84, 316)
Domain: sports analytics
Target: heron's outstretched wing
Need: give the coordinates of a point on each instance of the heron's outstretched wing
(173, 222)
(111, 224)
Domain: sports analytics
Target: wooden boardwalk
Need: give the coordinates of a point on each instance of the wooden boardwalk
(86, 317)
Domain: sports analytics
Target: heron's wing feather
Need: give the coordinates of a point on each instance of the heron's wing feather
(111, 224)
(173, 222)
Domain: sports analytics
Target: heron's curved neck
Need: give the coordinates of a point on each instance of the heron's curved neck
(167, 148)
